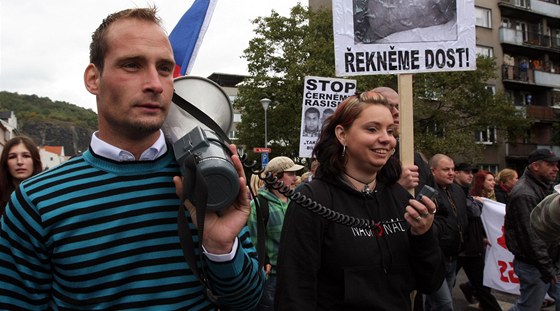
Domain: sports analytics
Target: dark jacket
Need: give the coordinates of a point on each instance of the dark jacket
(474, 236)
(324, 265)
(501, 194)
(521, 239)
(450, 223)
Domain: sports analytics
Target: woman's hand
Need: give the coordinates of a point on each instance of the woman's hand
(420, 215)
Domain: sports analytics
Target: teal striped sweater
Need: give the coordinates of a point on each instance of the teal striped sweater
(94, 234)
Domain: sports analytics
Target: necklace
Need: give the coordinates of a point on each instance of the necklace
(366, 189)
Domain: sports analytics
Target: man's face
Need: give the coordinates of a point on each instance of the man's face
(311, 121)
(444, 172)
(393, 101)
(547, 171)
(135, 88)
(464, 178)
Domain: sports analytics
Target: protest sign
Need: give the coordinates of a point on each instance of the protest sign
(321, 97)
(378, 37)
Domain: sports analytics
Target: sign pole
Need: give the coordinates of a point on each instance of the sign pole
(406, 122)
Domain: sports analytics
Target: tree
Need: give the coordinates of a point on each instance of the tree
(448, 107)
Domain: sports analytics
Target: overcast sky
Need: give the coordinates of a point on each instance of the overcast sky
(44, 43)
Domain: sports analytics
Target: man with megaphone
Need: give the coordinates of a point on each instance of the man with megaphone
(100, 231)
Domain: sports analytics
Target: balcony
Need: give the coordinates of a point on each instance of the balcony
(529, 39)
(547, 78)
(540, 77)
(542, 113)
(544, 8)
(519, 150)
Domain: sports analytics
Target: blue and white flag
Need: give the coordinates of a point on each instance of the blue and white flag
(187, 35)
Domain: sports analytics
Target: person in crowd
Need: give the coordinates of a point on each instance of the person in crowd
(450, 226)
(99, 232)
(312, 122)
(471, 258)
(483, 186)
(308, 176)
(19, 160)
(276, 202)
(505, 180)
(533, 261)
(414, 176)
(255, 183)
(324, 264)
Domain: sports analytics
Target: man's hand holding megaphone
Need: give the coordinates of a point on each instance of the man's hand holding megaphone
(221, 229)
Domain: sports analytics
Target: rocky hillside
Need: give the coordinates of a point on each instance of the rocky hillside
(51, 123)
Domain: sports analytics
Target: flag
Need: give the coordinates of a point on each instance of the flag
(187, 35)
(498, 267)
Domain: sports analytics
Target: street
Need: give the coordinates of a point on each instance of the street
(505, 300)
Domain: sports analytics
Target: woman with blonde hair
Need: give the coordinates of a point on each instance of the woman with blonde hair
(505, 180)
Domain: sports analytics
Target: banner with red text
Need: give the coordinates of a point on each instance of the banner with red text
(393, 37)
(498, 268)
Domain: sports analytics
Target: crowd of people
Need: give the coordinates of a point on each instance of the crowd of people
(100, 231)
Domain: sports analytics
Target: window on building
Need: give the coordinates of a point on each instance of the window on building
(491, 88)
(232, 135)
(236, 117)
(486, 51)
(483, 17)
(493, 168)
(486, 137)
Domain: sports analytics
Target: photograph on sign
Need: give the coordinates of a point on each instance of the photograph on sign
(381, 37)
(321, 96)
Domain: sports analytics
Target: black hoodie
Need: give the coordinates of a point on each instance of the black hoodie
(323, 265)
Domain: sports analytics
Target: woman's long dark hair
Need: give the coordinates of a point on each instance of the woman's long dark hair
(328, 150)
(7, 185)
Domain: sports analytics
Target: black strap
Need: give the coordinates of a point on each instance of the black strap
(194, 184)
(261, 205)
(200, 116)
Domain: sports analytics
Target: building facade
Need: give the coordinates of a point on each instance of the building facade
(524, 38)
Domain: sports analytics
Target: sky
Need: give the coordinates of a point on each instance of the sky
(44, 45)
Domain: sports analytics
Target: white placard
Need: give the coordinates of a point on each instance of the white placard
(392, 37)
(321, 97)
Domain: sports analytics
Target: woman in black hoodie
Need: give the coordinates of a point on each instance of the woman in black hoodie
(325, 265)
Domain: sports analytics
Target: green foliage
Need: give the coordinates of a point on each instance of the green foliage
(448, 107)
(28, 108)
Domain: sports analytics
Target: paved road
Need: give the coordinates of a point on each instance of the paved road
(460, 304)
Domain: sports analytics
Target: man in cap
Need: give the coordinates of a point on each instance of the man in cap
(471, 258)
(533, 261)
(274, 205)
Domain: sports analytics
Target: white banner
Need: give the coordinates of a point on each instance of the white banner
(498, 268)
(321, 97)
(391, 37)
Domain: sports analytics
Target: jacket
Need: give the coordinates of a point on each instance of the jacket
(451, 222)
(474, 237)
(521, 239)
(501, 194)
(324, 265)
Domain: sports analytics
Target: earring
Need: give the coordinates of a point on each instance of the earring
(343, 150)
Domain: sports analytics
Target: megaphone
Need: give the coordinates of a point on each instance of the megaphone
(200, 115)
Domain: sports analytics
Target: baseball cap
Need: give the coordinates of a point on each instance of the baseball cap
(544, 155)
(282, 164)
(465, 167)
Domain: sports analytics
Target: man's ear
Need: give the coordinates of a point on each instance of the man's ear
(91, 79)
